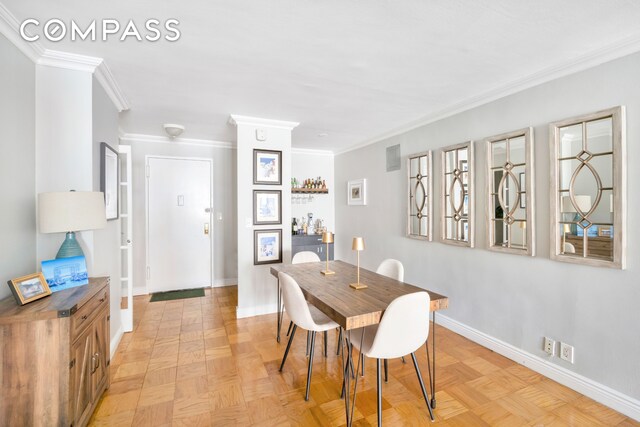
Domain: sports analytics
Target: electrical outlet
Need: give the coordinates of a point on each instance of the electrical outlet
(566, 352)
(549, 346)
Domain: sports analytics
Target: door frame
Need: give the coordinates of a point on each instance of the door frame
(146, 209)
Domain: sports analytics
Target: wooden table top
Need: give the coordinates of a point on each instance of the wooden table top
(348, 307)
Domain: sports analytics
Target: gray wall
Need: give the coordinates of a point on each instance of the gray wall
(106, 242)
(224, 199)
(512, 298)
(17, 165)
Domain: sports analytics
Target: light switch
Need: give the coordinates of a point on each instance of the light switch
(261, 134)
(180, 200)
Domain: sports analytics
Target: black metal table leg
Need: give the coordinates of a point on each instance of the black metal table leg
(431, 361)
(279, 320)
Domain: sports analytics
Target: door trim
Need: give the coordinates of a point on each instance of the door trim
(146, 209)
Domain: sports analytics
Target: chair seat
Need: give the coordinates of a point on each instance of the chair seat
(369, 334)
(321, 320)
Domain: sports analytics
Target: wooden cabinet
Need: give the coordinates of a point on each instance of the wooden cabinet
(54, 356)
(597, 246)
(312, 243)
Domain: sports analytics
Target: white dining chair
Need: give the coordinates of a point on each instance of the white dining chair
(403, 329)
(302, 258)
(391, 268)
(302, 315)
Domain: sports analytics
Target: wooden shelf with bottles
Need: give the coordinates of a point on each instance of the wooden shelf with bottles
(309, 191)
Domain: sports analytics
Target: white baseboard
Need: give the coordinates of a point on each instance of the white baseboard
(115, 341)
(601, 393)
(219, 283)
(242, 312)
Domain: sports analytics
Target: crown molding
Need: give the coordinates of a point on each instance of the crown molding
(592, 59)
(10, 28)
(238, 120)
(133, 138)
(311, 152)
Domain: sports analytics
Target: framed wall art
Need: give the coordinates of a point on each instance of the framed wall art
(420, 203)
(267, 247)
(457, 201)
(357, 192)
(267, 167)
(109, 180)
(29, 288)
(267, 207)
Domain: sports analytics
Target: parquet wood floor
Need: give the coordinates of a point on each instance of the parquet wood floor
(192, 363)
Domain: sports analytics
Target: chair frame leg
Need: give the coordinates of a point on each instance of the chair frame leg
(386, 371)
(286, 352)
(424, 391)
(339, 346)
(308, 342)
(324, 339)
(379, 387)
(362, 361)
(290, 326)
(310, 369)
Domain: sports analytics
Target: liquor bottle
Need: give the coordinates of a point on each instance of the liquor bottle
(294, 227)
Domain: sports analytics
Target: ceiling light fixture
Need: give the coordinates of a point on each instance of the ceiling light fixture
(173, 130)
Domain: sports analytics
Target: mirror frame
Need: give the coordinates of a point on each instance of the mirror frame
(470, 192)
(429, 189)
(529, 170)
(619, 175)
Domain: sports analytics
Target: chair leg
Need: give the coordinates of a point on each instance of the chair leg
(313, 341)
(325, 343)
(403, 361)
(424, 391)
(339, 342)
(286, 352)
(290, 326)
(362, 361)
(308, 342)
(386, 371)
(379, 382)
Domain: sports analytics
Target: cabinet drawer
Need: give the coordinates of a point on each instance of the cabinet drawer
(81, 318)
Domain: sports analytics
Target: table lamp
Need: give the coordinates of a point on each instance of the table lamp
(584, 204)
(327, 237)
(358, 245)
(68, 212)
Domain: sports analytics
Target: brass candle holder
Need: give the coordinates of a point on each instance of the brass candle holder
(358, 245)
(327, 237)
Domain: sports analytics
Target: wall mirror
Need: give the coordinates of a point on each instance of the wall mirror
(420, 207)
(588, 189)
(457, 204)
(510, 198)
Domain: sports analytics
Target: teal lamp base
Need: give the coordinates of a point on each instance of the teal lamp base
(70, 247)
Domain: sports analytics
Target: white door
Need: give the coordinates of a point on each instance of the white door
(126, 230)
(178, 224)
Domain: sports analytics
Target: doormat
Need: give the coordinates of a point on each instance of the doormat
(171, 295)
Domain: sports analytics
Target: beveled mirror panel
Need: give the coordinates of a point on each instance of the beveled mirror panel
(457, 204)
(420, 207)
(588, 189)
(510, 196)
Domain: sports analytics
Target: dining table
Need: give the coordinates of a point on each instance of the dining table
(355, 308)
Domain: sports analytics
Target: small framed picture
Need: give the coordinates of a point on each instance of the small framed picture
(109, 178)
(29, 288)
(267, 167)
(267, 207)
(65, 273)
(523, 189)
(267, 247)
(357, 192)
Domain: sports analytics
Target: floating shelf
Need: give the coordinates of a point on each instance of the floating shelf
(309, 191)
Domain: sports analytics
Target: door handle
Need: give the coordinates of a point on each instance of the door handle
(206, 228)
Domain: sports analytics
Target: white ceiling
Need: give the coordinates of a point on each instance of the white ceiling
(351, 69)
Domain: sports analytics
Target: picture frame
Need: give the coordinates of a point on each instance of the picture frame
(267, 167)
(357, 192)
(267, 246)
(65, 273)
(29, 288)
(109, 180)
(267, 207)
(523, 189)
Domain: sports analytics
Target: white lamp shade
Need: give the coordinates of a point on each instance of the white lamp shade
(60, 212)
(583, 202)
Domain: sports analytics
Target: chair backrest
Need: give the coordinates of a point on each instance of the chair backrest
(569, 248)
(295, 303)
(404, 327)
(305, 256)
(391, 268)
